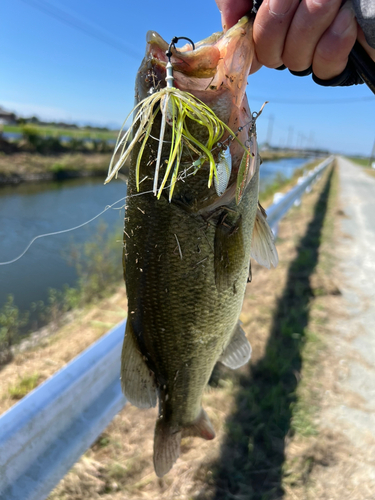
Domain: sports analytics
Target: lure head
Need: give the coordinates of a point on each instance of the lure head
(215, 73)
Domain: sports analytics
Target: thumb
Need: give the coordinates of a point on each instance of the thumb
(232, 11)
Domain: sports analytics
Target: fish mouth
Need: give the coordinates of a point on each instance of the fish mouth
(201, 62)
(220, 61)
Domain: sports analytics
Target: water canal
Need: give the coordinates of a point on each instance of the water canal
(29, 210)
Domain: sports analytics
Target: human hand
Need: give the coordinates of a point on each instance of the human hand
(317, 33)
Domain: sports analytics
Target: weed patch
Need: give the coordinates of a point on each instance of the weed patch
(24, 386)
(11, 323)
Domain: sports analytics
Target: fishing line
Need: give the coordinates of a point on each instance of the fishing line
(76, 227)
(62, 231)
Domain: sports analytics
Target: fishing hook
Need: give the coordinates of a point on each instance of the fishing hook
(175, 40)
(169, 68)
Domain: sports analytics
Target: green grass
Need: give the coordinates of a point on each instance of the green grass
(363, 162)
(80, 133)
(24, 386)
(11, 323)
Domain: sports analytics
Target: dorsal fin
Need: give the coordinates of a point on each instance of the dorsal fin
(263, 248)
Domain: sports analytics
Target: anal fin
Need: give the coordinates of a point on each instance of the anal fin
(238, 351)
(202, 427)
(263, 248)
(137, 381)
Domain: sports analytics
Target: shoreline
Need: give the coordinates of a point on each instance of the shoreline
(23, 167)
(15, 179)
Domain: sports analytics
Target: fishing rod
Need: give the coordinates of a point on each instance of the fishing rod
(364, 65)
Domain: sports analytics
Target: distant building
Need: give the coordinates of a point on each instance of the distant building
(7, 118)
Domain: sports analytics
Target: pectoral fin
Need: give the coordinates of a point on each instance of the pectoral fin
(238, 351)
(263, 248)
(229, 250)
(137, 381)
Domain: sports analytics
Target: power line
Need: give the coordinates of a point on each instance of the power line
(80, 25)
(276, 100)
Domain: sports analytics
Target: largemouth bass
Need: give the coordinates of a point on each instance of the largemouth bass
(187, 253)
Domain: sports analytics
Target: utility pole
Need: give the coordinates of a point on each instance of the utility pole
(372, 156)
(290, 138)
(299, 140)
(311, 139)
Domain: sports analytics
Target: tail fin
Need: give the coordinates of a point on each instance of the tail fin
(166, 447)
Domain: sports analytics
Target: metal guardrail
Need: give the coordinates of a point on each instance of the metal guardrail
(283, 203)
(43, 435)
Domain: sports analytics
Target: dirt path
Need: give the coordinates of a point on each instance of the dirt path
(350, 407)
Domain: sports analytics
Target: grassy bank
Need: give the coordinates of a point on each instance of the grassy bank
(365, 163)
(24, 167)
(78, 133)
(41, 154)
(270, 155)
(38, 155)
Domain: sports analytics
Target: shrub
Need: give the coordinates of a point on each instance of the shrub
(11, 321)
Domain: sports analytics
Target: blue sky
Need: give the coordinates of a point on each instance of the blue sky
(52, 69)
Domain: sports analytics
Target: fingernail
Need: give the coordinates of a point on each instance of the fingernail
(321, 3)
(343, 20)
(279, 7)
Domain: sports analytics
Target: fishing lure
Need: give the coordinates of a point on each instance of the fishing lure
(175, 106)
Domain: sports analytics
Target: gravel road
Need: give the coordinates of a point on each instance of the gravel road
(351, 410)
